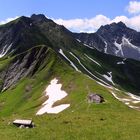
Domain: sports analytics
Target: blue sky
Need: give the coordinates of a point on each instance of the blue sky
(67, 12)
(65, 9)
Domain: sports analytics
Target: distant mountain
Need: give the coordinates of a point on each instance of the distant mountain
(115, 39)
(95, 55)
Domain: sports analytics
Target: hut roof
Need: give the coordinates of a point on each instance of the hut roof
(23, 122)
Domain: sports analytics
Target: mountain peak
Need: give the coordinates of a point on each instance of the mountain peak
(121, 24)
(113, 27)
(39, 17)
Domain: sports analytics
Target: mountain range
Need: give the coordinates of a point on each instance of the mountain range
(109, 53)
(34, 50)
(115, 39)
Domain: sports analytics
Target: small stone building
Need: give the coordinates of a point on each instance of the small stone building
(24, 123)
(95, 98)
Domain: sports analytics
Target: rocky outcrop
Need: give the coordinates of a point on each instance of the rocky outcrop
(23, 65)
(95, 98)
(19, 36)
(115, 39)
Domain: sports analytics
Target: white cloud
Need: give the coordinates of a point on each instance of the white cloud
(133, 22)
(87, 25)
(93, 24)
(133, 7)
(8, 20)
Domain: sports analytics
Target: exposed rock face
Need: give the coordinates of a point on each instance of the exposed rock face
(93, 40)
(115, 39)
(95, 98)
(25, 65)
(19, 36)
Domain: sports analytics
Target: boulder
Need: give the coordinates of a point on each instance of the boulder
(95, 98)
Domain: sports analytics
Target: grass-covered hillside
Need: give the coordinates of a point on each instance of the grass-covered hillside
(111, 120)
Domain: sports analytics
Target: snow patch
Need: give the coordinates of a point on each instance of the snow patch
(109, 78)
(106, 86)
(78, 40)
(105, 49)
(88, 46)
(124, 99)
(126, 41)
(115, 96)
(131, 99)
(72, 64)
(135, 102)
(124, 59)
(93, 60)
(119, 63)
(54, 92)
(119, 49)
(127, 103)
(135, 97)
(87, 69)
(134, 107)
(6, 48)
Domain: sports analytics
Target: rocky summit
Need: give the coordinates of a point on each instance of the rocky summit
(115, 39)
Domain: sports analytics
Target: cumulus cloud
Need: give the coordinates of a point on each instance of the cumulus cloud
(8, 20)
(133, 7)
(88, 25)
(93, 24)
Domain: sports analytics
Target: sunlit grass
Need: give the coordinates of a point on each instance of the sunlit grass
(111, 120)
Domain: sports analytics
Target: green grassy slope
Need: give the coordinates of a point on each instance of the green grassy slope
(125, 76)
(111, 120)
